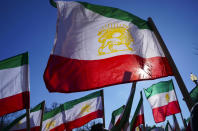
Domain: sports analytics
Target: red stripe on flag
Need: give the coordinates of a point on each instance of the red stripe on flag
(36, 128)
(14, 103)
(138, 121)
(72, 75)
(160, 113)
(79, 122)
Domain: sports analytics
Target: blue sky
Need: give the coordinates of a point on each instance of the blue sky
(31, 25)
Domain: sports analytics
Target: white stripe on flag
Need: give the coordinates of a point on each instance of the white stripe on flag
(89, 29)
(162, 99)
(35, 120)
(13, 81)
(73, 113)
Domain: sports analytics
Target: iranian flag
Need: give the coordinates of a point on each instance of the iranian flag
(116, 116)
(138, 118)
(75, 113)
(35, 120)
(162, 99)
(14, 84)
(95, 45)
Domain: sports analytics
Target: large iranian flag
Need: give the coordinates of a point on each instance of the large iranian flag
(74, 114)
(138, 118)
(116, 116)
(14, 84)
(95, 45)
(20, 124)
(162, 99)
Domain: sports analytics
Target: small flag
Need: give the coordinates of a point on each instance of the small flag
(194, 94)
(116, 116)
(100, 46)
(75, 113)
(138, 118)
(19, 124)
(124, 121)
(14, 84)
(162, 99)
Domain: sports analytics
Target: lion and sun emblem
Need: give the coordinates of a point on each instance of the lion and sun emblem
(114, 38)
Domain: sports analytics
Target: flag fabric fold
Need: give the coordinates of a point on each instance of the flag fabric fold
(162, 99)
(116, 116)
(75, 113)
(20, 124)
(138, 118)
(14, 84)
(95, 45)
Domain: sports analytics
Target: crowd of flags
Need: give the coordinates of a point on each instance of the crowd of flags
(85, 63)
(76, 113)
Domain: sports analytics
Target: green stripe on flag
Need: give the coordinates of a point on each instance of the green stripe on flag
(36, 108)
(161, 87)
(15, 61)
(71, 104)
(52, 113)
(116, 113)
(116, 13)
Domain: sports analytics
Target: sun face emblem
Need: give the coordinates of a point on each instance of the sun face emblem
(167, 97)
(114, 38)
(85, 108)
(137, 129)
(50, 124)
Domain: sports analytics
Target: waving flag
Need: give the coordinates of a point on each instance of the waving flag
(95, 45)
(138, 118)
(116, 116)
(162, 99)
(14, 84)
(35, 120)
(74, 114)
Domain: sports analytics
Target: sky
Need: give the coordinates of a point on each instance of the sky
(31, 26)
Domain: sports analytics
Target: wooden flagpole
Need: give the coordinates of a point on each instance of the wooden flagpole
(176, 124)
(43, 109)
(127, 110)
(28, 119)
(170, 125)
(176, 73)
(144, 128)
(180, 109)
(103, 108)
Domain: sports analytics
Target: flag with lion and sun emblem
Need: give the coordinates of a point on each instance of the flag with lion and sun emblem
(95, 45)
(75, 113)
(20, 124)
(162, 99)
